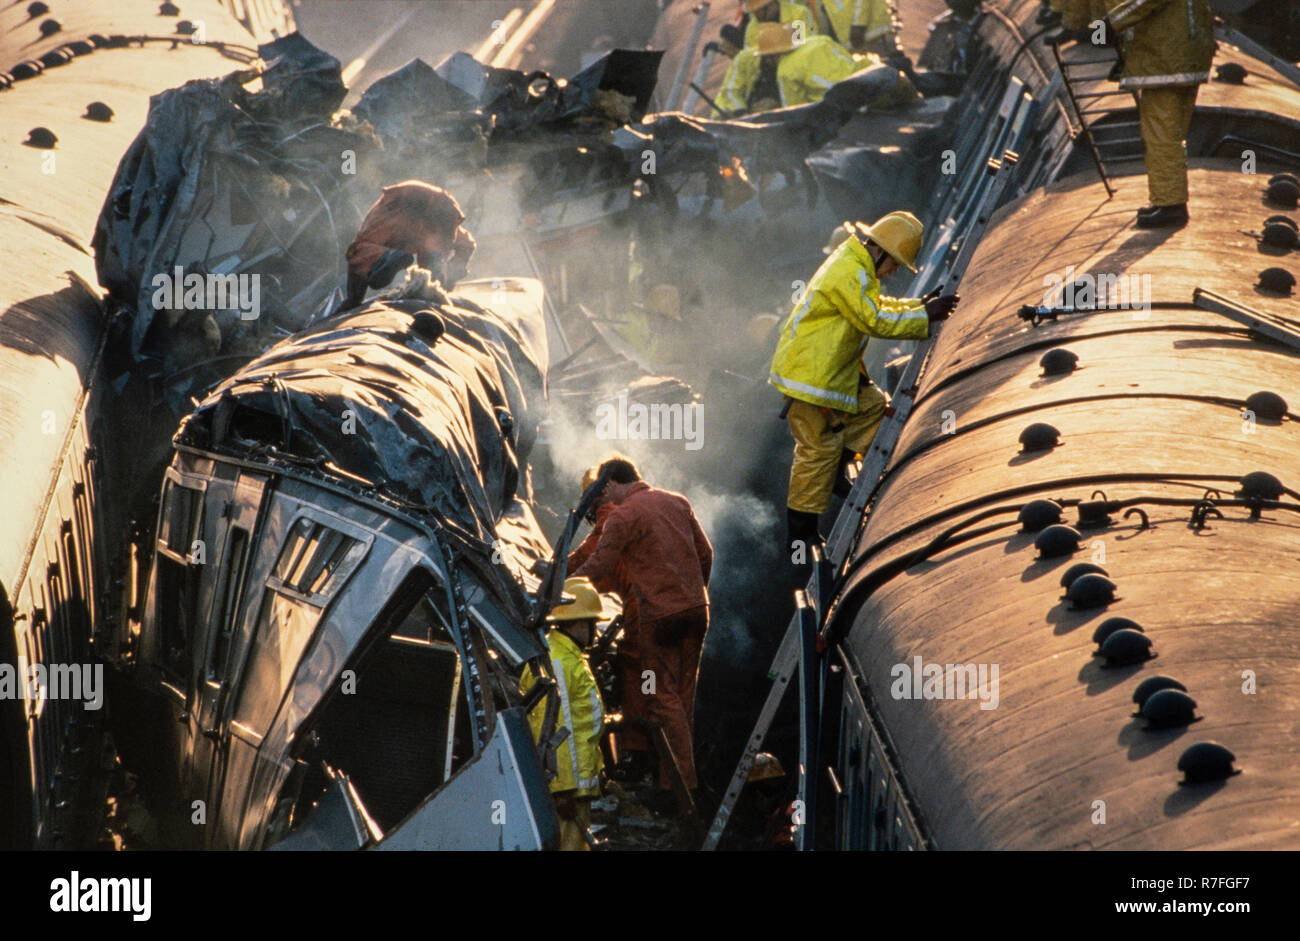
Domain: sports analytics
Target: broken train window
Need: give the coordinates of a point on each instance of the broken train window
(399, 725)
(314, 563)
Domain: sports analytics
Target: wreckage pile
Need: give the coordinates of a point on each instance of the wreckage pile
(428, 402)
(258, 176)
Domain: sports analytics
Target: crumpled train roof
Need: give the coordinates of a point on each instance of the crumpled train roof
(433, 403)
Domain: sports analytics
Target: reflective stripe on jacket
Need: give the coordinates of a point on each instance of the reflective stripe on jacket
(822, 341)
(802, 75)
(877, 16)
(1164, 42)
(578, 759)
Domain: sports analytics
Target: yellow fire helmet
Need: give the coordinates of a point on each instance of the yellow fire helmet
(583, 601)
(588, 478)
(766, 765)
(898, 233)
(775, 39)
(665, 300)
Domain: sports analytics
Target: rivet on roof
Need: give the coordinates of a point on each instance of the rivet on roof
(1039, 436)
(1057, 541)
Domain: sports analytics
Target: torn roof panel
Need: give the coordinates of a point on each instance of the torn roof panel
(430, 401)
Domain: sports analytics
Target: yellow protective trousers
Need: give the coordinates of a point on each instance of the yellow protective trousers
(1165, 113)
(573, 832)
(817, 445)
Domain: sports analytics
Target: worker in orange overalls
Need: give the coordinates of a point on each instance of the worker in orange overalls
(634, 759)
(414, 217)
(655, 536)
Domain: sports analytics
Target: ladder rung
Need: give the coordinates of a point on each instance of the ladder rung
(1100, 94)
(1116, 143)
(1071, 63)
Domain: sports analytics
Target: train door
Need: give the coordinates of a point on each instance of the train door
(318, 554)
(231, 553)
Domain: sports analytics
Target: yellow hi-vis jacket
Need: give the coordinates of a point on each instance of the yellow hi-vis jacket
(876, 15)
(578, 759)
(822, 341)
(1164, 42)
(792, 11)
(803, 75)
(1079, 14)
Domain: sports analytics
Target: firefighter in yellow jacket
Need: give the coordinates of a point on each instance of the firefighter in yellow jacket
(1077, 16)
(776, 11)
(781, 72)
(861, 25)
(834, 408)
(1166, 47)
(578, 758)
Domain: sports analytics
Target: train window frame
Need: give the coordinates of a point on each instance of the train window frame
(176, 667)
(60, 636)
(30, 710)
(229, 601)
(289, 572)
(417, 602)
(252, 726)
(70, 567)
(81, 529)
(198, 488)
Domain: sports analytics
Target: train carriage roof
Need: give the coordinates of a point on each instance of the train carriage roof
(429, 400)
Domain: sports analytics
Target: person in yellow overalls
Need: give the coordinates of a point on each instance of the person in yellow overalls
(780, 71)
(578, 758)
(776, 11)
(1077, 16)
(1166, 47)
(834, 408)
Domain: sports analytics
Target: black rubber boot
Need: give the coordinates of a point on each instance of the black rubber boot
(802, 528)
(1164, 217)
(663, 803)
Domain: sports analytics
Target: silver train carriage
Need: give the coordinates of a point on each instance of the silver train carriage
(75, 83)
(991, 657)
(340, 583)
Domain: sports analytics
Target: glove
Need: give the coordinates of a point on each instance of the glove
(932, 294)
(938, 308)
(387, 266)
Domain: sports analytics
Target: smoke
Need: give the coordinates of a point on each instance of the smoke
(740, 524)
